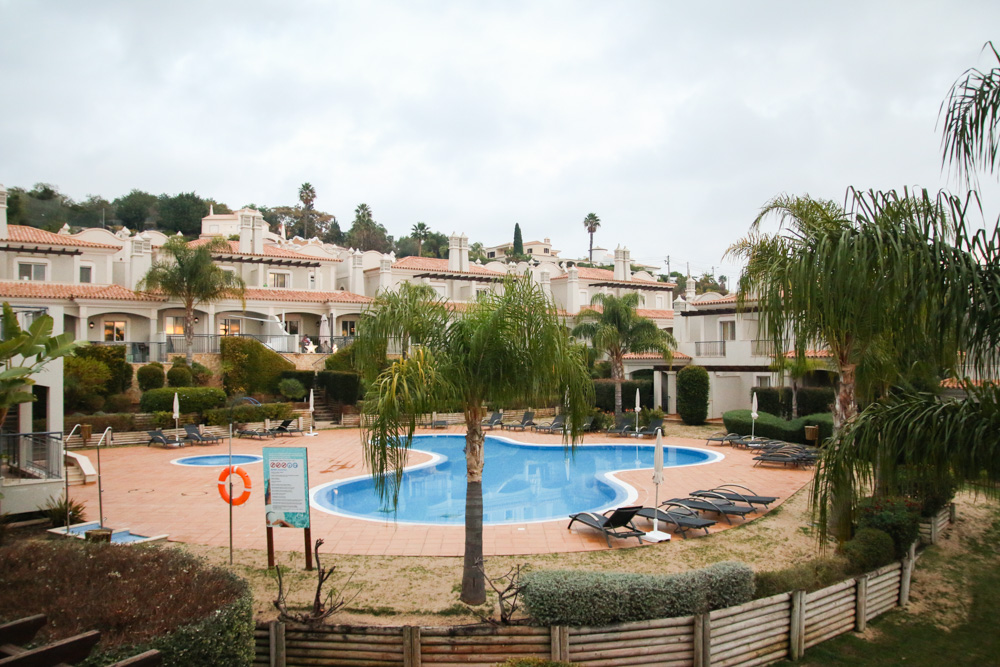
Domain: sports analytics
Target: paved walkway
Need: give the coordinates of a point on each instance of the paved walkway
(145, 493)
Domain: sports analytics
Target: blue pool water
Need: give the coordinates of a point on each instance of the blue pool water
(521, 482)
(117, 537)
(217, 460)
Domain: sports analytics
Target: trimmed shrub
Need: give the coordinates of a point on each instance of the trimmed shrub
(118, 422)
(201, 374)
(692, 395)
(83, 381)
(341, 387)
(869, 549)
(898, 517)
(249, 368)
(245, 413)
(306, 378)
(810, 576)
(341, 360)
(604, 394)
(150, 376)
(180, 376)
(558, 597)
(291, 388)
(770, 426)
(112, 356)
(774, 400)
(118, 403)
(192, 399)
(816, 400)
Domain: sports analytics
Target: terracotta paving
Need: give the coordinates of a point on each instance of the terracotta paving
(148, 495)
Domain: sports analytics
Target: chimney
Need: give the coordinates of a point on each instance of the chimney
(3, 212)
(572, 290)
(619, 271)
(246, 234)
(689, 291)
(384, 273)
(454, 252)
(357, 272)
(258, 234)
(626, 264)
(546, 282)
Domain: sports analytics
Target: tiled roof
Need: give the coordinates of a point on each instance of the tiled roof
(22, 234)
(30, 289)
(811, 354)
(729, 298)
(654, 355)
(269, 251)
(955, 383)
(641, 312)
(588, 273)
(415, 263)
(340, 296)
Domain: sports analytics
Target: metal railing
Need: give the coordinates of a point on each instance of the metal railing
(31, 455)
(762, 348)
(139, 352)
(710, 348)
(143, 352)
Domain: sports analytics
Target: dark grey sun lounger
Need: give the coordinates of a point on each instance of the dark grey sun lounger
(160, 438)
(651, 429)
(683, 518)
(619, 524)
(527, 419)
(557, 424)
(719, 505)
(737, 494)
(195, 435)
(496, 419)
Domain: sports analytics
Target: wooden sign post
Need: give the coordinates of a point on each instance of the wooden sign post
(286, 495)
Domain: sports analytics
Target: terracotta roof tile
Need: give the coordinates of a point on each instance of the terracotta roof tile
(729, 298)
(269, 251)
(654, 355)
(415, 263)
(588, 273)
(811, 354)
(340, 296)
(29, 289)
(955, 383)
(652, 314)
(22, 234)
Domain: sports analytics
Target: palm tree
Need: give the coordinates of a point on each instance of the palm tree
(420, 232)
(191, 276)
(616, 329)
(506, 347)
(797, 368)
(307, 195)
(970, 124)
(591, 223)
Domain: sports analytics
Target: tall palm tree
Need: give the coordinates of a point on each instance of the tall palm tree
(508, 346)
(591, 223)
(189, 274)
(616, 329)
(307, 195)
(420, 233)
(970, 136)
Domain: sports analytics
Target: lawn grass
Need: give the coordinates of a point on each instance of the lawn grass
(904, 638)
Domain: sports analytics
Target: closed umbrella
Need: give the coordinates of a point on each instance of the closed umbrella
(324, 332)
(177, 414)
(312, 407)
(656, 535)
(753, 415)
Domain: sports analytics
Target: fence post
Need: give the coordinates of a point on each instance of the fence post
(907, 573)
(559, 642)
(797, 625)
(411, 646)
(861, 604)
(276, 642)
(702, 640)
(951, 513)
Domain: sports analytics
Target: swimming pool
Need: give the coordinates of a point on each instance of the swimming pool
(217, 460)
(521, 482)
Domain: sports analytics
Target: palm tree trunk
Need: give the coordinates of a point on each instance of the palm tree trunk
(189, 332)
(591, 253)
(841, 514)
(795, 399)
(618, 374)
(473, 582)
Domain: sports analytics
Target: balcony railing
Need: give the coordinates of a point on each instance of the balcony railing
(31, 455)
(710, 348)
(762, 348)
(142, 352)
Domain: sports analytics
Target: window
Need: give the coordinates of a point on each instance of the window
(229, 327)
(546, 251)
(491, 254)
(763, 381)
(86, 274)
(114, 331)
(292, 327)
(312, 281)
(27, 271)
(530, 251)
(281, 280)
(727, 330)
(175, 325)
(347, 327)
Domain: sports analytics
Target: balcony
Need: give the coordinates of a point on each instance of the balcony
(143, 352)
(710, 348)
(762, 348)
(30, 456)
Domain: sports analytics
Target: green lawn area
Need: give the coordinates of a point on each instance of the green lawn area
(965, 598)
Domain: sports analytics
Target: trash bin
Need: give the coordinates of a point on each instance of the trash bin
(86, 430)
(98, 535)
(812, 434)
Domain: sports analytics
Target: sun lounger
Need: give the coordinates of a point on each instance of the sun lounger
(737, 494)
(787, 457)
(557, 424)
(439, 423)
(286, 428)
(158, 437)
(720, 505)
(526, 420)
(588, 425)
(496, 419)
(254, 433)
(619, 524)
(195, 435)
(683, 518)
(650, 430)
(722, 438)
(623, 427)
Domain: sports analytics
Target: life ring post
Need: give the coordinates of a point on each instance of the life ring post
(223, 480)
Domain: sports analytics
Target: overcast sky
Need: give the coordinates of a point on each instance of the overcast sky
(674, 122)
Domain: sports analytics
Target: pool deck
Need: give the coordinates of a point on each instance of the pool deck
(144, 493)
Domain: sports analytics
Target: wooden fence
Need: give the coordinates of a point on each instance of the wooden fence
(756, 633)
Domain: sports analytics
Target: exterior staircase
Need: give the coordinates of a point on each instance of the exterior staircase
(324, 415)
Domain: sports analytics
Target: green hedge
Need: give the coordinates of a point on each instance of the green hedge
(897, 517)
(769, 426)
(151, 376)
(250, 368)
(604, 394)
(774, 400)
(341, 360)
(112, 356)
(692, 395)
(180, 376)
(306, 378)
(192, 399)
(559, 597)
(341, 386)
(124, 421)
(869, 549)
(816, 400)
(244, 413)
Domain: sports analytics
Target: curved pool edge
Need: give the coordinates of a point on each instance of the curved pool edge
(180, 462)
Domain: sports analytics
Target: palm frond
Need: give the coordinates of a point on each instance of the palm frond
(970, 138)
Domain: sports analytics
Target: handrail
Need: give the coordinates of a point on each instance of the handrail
(65, 473)
(100, 490)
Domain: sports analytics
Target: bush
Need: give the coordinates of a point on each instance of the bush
(201, 374)
(555, 597)
(118, 422)
(138, 599)
(112, 356)
(869, 549)
(646, 414)
(306, 378)
(770, 426)
(604, 394)
(150, 376)
(83, 381)
(774, 400)
(249, 368)
(931, 490)
(692, 395)
(816, 400)
(898, 517)
(245, 413)
(180, 376)
(810, 576)
(291, 388)
(118, 403)
(602, 420)
(55, 511)
(341, 386)
(192, 399)
(342, 360)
